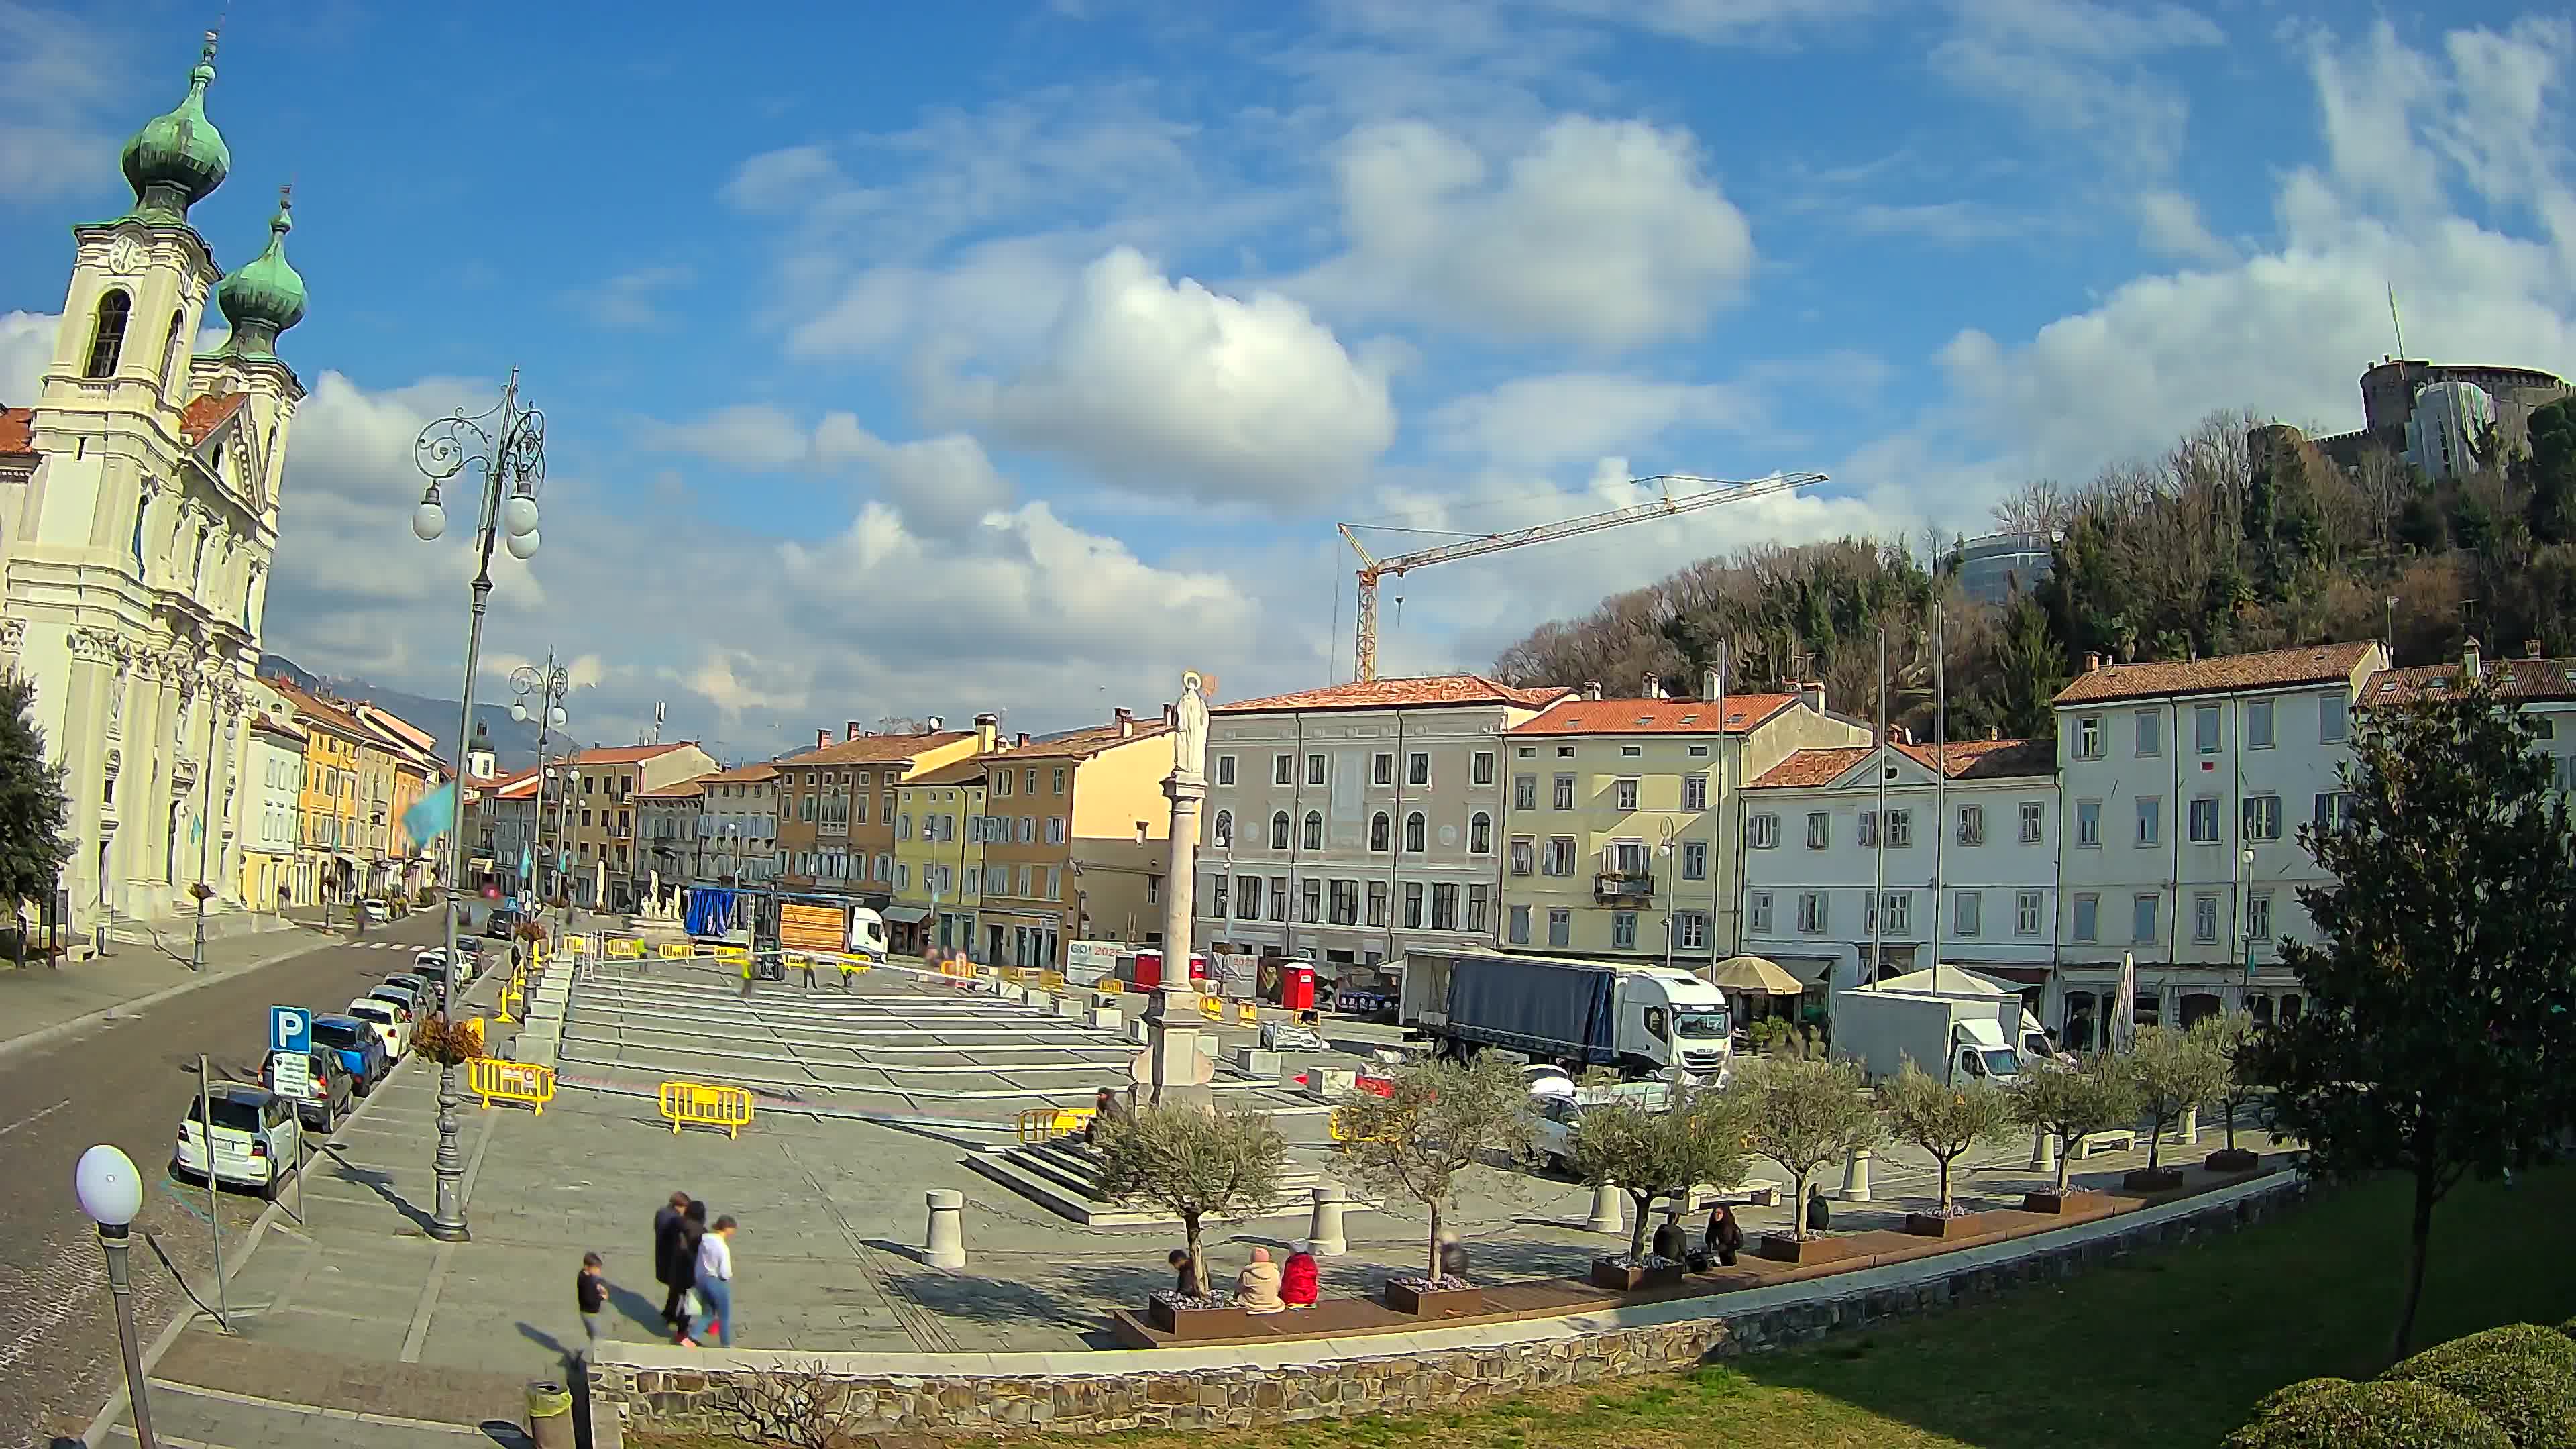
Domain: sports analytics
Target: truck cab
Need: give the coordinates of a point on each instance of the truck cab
(1672, 1017)
(1978, 1051)
(867, 933)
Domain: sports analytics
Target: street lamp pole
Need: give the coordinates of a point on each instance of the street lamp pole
(508, 445)
(549, 685)
(111, 1193)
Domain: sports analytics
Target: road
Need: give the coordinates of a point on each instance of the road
(128, 1082)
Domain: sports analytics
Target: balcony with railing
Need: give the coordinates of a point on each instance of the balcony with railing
(1624, 887)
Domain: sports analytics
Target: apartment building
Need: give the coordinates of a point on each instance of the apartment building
(1620, 826)
(267, 813)
(412, 768)
(1865, 861)
(1348, 824)
(837, 804)
(1076, 840)
(739, 824)
(2544, 689)
(330, 864)
(669, 851)
(2184, 784)
(599, 806)
(938, 858)
(502, 839)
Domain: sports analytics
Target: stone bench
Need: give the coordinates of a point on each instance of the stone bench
(2118, 1139)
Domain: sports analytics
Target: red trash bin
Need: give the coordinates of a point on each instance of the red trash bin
(1297, 987)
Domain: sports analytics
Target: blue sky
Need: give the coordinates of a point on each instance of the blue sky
(935, 359)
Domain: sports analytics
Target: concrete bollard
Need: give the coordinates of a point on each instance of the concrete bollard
(2043, 1151)
(944, 1246)
(1039, 1002)
(1139, 1033)
(1608, 1210)
(549, 1415)
(1209, 1045)
(1330, 1084)
(1856, 1177)
(1254, 1062)
(1067, 1006)
(2190, 1131)
(1105, 1018)
(1324, 1237)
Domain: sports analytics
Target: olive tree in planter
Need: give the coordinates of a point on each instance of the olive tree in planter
(2066, 1103)
(1649, 1155)
(1803, 1113)
(1945, 1121)
(2170, 1072)
(1193, 1162)
(2230, 1035)
(1435, 1121)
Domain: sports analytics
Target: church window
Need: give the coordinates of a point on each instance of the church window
(170, 354)
(107, 339)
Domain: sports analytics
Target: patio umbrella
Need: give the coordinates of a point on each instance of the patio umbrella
(1753, 975)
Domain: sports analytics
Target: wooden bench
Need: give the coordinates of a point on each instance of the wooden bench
(2118, 1139)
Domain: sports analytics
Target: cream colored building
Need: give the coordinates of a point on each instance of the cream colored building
(1075, 842)
(1622, 827)
(1347, 825)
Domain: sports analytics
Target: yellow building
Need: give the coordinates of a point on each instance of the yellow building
(330, 857)
(939, 854)
(1077, 843)
(1622, 818)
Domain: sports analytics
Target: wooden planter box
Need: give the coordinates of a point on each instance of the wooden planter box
(1933, 1225)
(1782, 1248)
(1405, 1298)
(1628, 1278)
(2073, 1200)
(2161, 1179)
(1198, 1322)
(2232, 1160)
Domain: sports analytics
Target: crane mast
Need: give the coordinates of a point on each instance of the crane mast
(1373, 568)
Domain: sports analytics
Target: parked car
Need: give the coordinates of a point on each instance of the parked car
(501, 923)
(428, 988)
(355, 1045)
(409, 997)
(329, 1090)
(375, 912)
(469, 959)
(393, 1023)
(257, 1141)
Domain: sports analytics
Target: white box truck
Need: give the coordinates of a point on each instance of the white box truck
(2024, 1031)
(1641, 1020)
(1952, 1038)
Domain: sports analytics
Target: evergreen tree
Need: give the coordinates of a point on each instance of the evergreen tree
(2548, 471)
(2437, 1040)
(34, 816)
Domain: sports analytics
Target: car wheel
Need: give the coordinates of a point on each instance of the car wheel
(268, 1189)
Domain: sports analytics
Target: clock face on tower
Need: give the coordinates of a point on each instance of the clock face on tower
(125, 256)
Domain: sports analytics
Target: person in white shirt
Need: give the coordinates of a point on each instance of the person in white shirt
(715, 1280)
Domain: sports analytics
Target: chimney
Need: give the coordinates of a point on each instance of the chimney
(1994, 732)
(1592, 689)
(2092, 662)
(1813, 694)
(1708, 685)
(822, 738)
(1654, 686)
(2469, 658)
(850, 728)
(2530, 648)
(933, 725)
(1126, 722)
(1021, 741)
(988, 726)
(1171, 716)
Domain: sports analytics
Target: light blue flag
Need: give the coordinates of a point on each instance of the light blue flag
(527, 863)
(431, 815)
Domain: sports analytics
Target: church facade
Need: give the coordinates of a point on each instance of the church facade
(137, 533)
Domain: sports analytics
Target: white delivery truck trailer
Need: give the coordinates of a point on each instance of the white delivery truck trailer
(1640, 1020)
(1956, 1040)
(2023, 1031)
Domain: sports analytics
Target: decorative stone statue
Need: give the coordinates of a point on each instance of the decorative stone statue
(1189, 743)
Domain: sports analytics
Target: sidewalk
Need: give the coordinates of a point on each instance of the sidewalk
(43, 1003)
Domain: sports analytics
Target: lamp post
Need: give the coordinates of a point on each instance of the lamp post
(549, 685)
(111, 1193)
(508, 445)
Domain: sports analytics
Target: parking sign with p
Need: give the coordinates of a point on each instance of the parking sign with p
(290, 1029)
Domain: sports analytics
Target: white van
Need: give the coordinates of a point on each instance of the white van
(258, 1142)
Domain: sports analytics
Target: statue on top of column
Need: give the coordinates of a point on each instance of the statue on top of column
(1189, 742)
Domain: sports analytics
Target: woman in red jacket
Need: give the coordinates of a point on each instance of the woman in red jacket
(1298, 1280)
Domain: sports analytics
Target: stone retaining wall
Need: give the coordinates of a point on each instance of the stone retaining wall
(1128, 1391)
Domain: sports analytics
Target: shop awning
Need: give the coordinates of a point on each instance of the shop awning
(907, 915)
(1753, 973)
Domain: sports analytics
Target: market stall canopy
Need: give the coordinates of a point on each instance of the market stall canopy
(1753, 974)
(1948, 981)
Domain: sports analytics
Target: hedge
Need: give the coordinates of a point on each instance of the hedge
(2382, 1414)
(2521, 1377)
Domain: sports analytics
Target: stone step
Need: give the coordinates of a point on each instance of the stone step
(1075, 1200)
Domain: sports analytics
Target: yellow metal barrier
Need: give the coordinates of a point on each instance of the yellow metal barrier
(537, 952)
(733, 955)
(625, 948)
(676, 951)
(1040, 1124)
(512, 995)
(1014, 976)
(1211, 1008)
(1109, 985)
(495, 1080)
(1051, 980)
(852, 965)
(705, 1104)
(582, 945)
(1338, 1129)
(1247, 1013)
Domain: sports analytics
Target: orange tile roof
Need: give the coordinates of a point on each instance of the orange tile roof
(203, 414)
(627, 754)
(1967, 759)
(2511, 679)
(875, 749)
(1082, 744)
(961, 772)
(684, 790)
(1425, 691)
(2273, 668)
(1655, 716)
(17, 430)
(324, 712)
(750, 774)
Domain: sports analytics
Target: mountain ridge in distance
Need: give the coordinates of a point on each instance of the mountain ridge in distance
(514, 744)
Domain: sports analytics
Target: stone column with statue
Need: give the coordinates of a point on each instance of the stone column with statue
(1172, 1068)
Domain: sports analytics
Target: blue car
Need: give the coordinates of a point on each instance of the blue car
(356, 1047)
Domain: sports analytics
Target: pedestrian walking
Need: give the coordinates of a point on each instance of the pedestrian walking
(693, 1231)
(590, 1294)
(715, 1279)
(666, 1255)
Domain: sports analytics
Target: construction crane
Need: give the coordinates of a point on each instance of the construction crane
(1373, 568)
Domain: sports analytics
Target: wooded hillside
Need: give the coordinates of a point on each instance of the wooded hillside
(2214, 547)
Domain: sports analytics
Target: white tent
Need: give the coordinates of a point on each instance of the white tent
(1949, 981)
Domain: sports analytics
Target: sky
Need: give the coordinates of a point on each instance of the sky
(904, 360)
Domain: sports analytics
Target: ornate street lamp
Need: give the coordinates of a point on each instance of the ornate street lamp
(548, 686)
(111, 1193)
(508, 446)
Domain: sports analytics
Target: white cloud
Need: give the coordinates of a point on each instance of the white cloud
(1717, 22)
(942, 487)
(628, 302)
(1541, 422)
(58, 78)
(1170, 389)
(1604, 233)
(2172, 226)
(26, 350)
(2287, 331)
(2077, 68)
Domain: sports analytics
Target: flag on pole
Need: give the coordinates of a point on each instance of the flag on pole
(432, 815)
(2124, 1005)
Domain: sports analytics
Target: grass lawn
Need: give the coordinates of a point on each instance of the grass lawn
(2166, 1351)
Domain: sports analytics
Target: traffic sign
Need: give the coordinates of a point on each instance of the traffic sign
(290, 1074)
(290, 1029)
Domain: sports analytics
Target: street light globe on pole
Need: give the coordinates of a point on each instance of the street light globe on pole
(519, 711)
(522, 546)
(556, 715)
(111, 1191)
(518, 515)
(429, 520)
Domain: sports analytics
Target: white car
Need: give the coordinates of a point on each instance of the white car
(1546, 1079)
(391, 1022)
(1552, 1126)
(402, 994)
(375, 911)
(433, 962)
(257, 1141)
